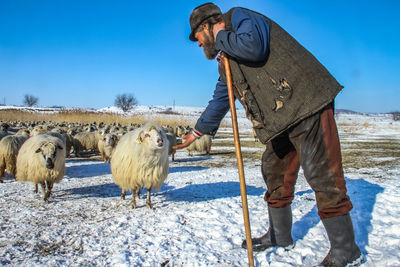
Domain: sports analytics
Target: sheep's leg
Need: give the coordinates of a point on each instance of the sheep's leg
(135, 193)
(2, 172)
(148, 200)
(49, 188)
(43, 184)
(123, 194)
(36, 189)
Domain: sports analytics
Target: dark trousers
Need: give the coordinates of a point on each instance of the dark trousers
(314, 145)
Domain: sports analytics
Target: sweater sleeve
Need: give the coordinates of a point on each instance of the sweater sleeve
(250, 39)
(217, 107)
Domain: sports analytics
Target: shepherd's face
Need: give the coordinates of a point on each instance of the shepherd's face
(205, 39)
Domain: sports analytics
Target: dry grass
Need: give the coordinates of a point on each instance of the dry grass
(86, 117)
(381, 153)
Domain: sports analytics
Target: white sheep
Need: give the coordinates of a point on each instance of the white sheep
(141, 160)
(203, 144)
(107, 145)
(86, 141)
(9, 147)
(41, 159)
(172, 142)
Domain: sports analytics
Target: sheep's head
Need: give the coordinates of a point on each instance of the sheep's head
(110, 139)
(24, 132)
(49, 153)
(154, 137)
(38, 130)
(4, 127)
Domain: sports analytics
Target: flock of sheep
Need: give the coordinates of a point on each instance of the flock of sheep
(138, 154)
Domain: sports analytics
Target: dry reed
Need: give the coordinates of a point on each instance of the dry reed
(86, 117)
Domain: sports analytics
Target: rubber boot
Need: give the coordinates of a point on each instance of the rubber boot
(279, 233)
(344, 250)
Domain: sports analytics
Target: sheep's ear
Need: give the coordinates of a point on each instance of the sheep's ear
(140, 138)
(38, 150)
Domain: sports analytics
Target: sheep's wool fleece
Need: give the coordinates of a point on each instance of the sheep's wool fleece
(203, 144)
(32, 167)
(9, 147)
(137, 164)
(88, 140)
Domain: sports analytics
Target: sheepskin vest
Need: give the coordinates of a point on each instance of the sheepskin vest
(289, 86)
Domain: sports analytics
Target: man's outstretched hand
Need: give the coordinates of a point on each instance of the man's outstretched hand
(188, 139)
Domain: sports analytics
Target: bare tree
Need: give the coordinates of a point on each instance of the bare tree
(125, 101)
(396, 115)
(30, 100)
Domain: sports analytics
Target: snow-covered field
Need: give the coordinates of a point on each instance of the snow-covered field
(197, 220)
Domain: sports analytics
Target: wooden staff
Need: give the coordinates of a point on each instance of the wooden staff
(239, 158)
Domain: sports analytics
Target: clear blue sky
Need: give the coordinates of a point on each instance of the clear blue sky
(83, 53)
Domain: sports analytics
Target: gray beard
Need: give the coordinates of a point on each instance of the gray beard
(209, 48)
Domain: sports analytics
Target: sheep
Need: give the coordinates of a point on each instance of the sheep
(86, 141)
(9, 147)
(172, 142)
(41, 159)
(25, 132)
(106, 145)
(141, 160)
(4, 126)
(4, 130)
(203, 144)
(68, 141)
(57, 132)
(179, 131)
(39, 129)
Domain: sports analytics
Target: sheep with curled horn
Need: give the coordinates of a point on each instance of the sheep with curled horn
(141, 160)
(41, 160)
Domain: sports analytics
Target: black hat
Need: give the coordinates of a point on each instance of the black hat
(200, 14)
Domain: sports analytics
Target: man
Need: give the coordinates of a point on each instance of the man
(288, 95)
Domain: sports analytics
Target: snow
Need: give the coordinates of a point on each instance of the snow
(198, 219)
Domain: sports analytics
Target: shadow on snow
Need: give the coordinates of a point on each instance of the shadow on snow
(192, 159)
(110, 189)
(187, 169)
(363, 196)
(209, 191)
(95, 168)
(101, 168)
(100, 191)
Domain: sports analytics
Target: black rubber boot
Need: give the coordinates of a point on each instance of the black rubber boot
(344, 250)
(279, 233)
